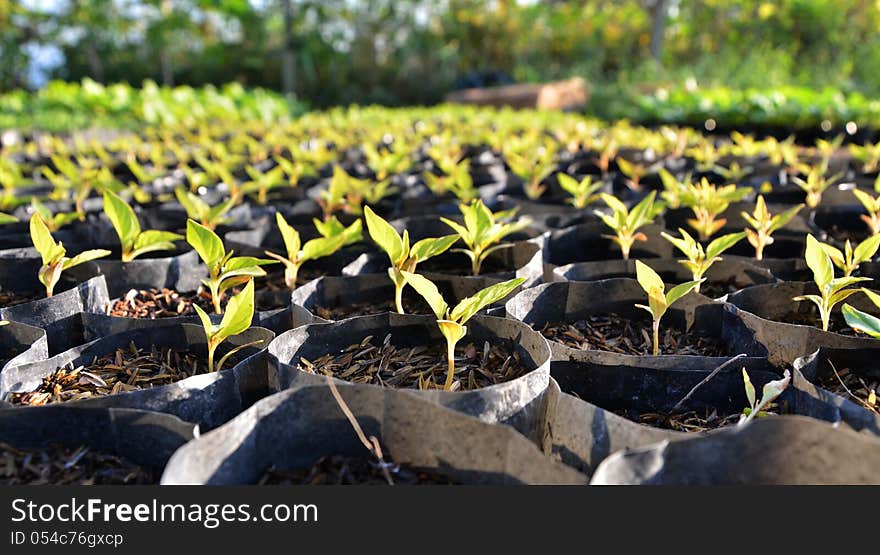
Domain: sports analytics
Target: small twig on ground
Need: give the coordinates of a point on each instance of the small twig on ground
(705, 380)
(372, 444)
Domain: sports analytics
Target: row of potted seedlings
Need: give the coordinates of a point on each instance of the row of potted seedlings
(626, 347)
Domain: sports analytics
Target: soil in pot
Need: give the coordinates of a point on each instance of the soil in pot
(381, 363)
(458, 264)
(158, 303)
(13, 298)
(123, 370)
(58, 465)
(703, 420)
(412, 304)
(856, 386)
(618, 334)
(339, 470)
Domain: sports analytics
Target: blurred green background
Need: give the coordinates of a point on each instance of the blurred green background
(402, 52)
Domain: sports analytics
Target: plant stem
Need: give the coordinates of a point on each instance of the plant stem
(476, 262)
(398, 297)
(291, 273)
(215, 298)
(211, 349)
(450, 361)
(759, 250)
(655, 325)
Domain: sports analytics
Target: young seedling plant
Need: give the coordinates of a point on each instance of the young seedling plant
(658, 299)
(482, 232)
(236, 320)
(53, 221)
(816, 183)
(831, 290)
(769, 393)
(626, 223)
(708, 203)
(872, 205)
(700, 260)
(134, 241)
(764, 225)
(452, 322)
(299, 253)
(224, 270)
(850, 259)
(404, 258)
(583, 192)
(54, 254)
(202, 212)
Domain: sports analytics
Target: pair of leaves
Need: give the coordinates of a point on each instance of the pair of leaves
(202, 212)
(299, 253)
(625, 221)
(583, 192)
(467, 307)
(765, 223)
(53, 221)
(224, 269)
(398, 248)
(769, 393)
(237, 319)
(54, 254)
(481, 229)
(691, 248)
(849, 259)
(134, 241)
(658, 299)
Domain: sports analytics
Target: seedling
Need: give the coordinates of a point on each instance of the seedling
(385, 163)
(583, 192)
(294, 169)
(403, 257)
(626, 223)
(53, 221)
(134, 241)
(673, 189)
(202, 212)
(225, 272)
(262, 183)
(457, 180)
(533, 170)
(831, 290)
(53, 255)
(633, 171)
(769, 393)
(708, 202)
(733, 173)
(482, 232)
(816, 183)
(862, 321)
(850, 259)
(658, 300)
(236, 320)
(763, 225)
(332, 227)
(872, 205)
(699, 260)
(452, 322)
(299, 253)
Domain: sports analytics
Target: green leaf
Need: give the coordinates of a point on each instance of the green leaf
(238, 315)
(429, 292)
(290, 236)
(462, 231)
(242, 262)
(648, 278)
(124, 220)
(780, 220)
(7, 219)
(469, 306)
(321, 247)
(49, 250)
(205, 242)
(195, 207)
(750, 389)
(772, 390)
(866, 249)
(681, 290)
(819, 262)
(152, 236)
(84, 256)
(723, 243)
(431, 247)
(385, 236)
(210, 328)
(861, 321)
(872, 296)
(641, 212)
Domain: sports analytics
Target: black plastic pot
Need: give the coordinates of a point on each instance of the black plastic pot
(837, 223)
(20, 344)
(824, 366)
(582, 435)
(777, 450)
(331, 292)
(144, 438)
(516, 402)
(727, 273)
(292, 429)
(763, 307)
(180, 272)
(571, 301)
(60, 315)
(523, 259)
(206, 399)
